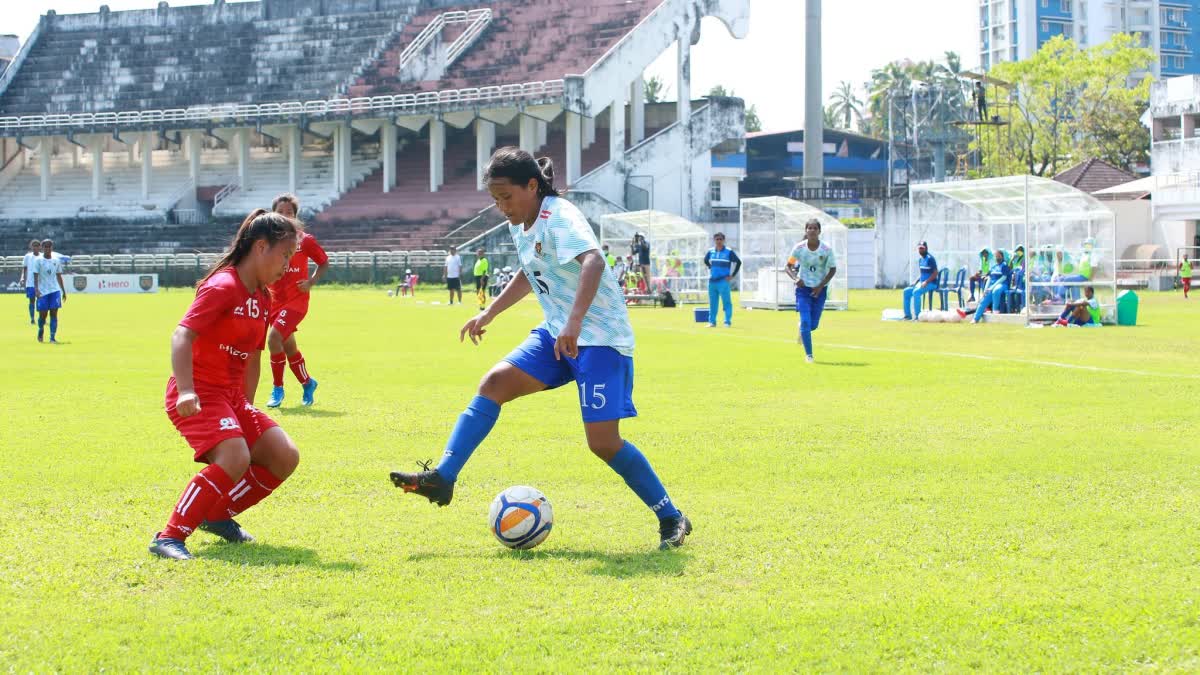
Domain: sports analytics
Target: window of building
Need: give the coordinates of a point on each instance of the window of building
(1164, 37)
(1045, 4)
(1045, 26)
(714, 191)
(1178, 63)
(1179, 39)
(1065, 6)
(1163, 61)
(1164, 16)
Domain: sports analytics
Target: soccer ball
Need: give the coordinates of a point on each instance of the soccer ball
(391, 293)
(521, 517)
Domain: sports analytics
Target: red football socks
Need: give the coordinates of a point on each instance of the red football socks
(278, 361)
(207, 489)
(296, 361)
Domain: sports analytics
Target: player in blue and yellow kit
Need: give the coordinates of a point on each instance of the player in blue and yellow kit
(585, 339)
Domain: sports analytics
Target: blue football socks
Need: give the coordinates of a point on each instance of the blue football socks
(474, 424)
(31, 312)
(53, 326)
(631, 464)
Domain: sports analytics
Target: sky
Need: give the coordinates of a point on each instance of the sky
(766, 69)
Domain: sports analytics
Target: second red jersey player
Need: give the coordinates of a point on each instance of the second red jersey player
(289, 297)
(215, 351)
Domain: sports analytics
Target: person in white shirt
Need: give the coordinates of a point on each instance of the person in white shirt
(48, 285)
(452, 273)
(27, 270)
(585, 340)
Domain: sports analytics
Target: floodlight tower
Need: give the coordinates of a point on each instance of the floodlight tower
(814, 114)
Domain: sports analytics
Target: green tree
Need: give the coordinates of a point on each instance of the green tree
(1070, 104)
(846, 105)
(656, 89)
(753, 123)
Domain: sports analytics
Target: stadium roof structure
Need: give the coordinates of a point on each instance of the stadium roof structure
(1015, 198)
(796, 211)
(653, 224)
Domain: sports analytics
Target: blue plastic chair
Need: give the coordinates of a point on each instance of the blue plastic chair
(943, 278)
(960, 284)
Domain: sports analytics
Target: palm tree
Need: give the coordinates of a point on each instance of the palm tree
(845, 104)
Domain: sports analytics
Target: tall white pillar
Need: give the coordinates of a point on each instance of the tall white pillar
(347, 155)
(574, 148)
(637, 110)
(45, 148)
(335, 163)
(387, 134)
(293, 155)
(131, 147)
(437, 153)
(242, 148)
(76, 155)
(485, 142)
(193, 142)
(616, 129)
(683, 74)
(97, 147)
(528, 134)
(589, 132)
(543, 133)
(147, 162)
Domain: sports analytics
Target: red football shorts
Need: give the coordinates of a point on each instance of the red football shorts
(286, 319)
(224, 414)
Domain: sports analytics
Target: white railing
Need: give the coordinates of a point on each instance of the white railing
(225, 192)
(478, 18)
(187, 217)
(229, 112)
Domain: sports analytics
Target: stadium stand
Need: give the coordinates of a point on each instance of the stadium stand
(376, 113)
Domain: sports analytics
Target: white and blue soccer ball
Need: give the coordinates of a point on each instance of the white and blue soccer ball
(521, 517)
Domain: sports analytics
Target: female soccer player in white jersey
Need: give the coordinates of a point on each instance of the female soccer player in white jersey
(586, 339)
(811, 265)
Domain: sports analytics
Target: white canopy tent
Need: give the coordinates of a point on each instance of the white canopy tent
(770, 228)
(677, 248)
(1069, 237)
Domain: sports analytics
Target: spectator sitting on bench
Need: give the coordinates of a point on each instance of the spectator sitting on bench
(1085, 312)
(995, 290)
(980, 277)
(619, 269)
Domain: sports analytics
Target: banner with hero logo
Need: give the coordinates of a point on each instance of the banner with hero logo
(111, 283)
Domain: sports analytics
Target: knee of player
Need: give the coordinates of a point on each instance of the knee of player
(605, 448)
(288, 459)
(495, 387)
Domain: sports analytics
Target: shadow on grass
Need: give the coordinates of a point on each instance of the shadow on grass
(303, 411)
(617, 565)
(843, 364)
(266, 555)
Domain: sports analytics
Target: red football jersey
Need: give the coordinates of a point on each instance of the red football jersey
(230, 323)
(307, 248)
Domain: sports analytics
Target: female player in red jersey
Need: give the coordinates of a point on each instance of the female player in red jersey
(214, 352)
(289, 300)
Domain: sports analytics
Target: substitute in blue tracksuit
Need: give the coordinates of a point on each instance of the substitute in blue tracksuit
(927, 282)
(723, 265)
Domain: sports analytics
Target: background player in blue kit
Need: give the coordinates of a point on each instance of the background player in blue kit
(28, 265)
(48, 282)
(585, 339)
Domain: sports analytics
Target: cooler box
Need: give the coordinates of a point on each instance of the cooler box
(1127, 308)
(701, 315)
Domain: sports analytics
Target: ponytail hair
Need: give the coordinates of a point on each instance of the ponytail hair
(260, 224)
(519, 167)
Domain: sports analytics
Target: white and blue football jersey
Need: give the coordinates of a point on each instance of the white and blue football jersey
(547, 252)
(47, 270)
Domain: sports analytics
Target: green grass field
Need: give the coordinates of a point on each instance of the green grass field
(926, 497)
